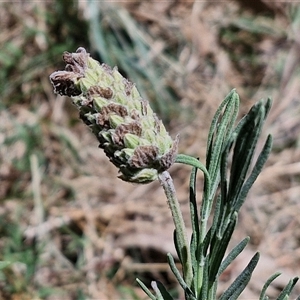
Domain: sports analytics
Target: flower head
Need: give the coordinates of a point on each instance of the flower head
(131, 135)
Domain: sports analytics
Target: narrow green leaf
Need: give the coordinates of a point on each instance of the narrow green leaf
(178, 276)
(195, 226)
(248, 132)
(165, 294)
(233, 255)
(243, 153)
(239, 284)
(212, 294)
(206, 243)
(266, 285)
(194, 217)
(215, 224)
(177, 247)
(145, 289)
(268, 105)
(224, 168)
(284, 295)
(192, 161)
(223, 131)
(158, 293)
(214, 123)
(219, 249)
(255, 172)
(205, 281)
(176, 271)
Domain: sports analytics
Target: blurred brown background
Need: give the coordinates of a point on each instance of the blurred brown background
(70, 227)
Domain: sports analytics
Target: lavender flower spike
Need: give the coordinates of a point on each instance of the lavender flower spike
(131, 135)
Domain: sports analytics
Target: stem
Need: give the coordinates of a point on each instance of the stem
(204, 214)
(185, 254)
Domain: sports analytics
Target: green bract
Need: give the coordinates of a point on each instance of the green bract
(130, 134)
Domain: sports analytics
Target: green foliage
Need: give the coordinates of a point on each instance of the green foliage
(19, 256)
(66, 25)
(229, 174)
(31, 137)
(4, 264)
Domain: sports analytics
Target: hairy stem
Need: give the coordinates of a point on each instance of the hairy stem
(185, 255)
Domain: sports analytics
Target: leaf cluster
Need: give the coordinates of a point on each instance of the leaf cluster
(229, 174)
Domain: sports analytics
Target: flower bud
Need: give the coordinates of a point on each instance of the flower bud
(131, 135)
